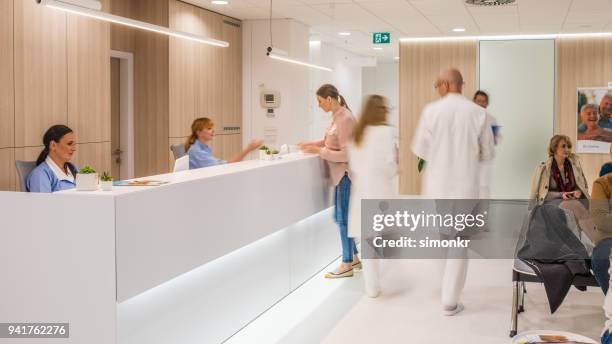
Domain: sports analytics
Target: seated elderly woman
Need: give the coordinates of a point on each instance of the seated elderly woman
(561, 181)
(589, 115)
(601, 212)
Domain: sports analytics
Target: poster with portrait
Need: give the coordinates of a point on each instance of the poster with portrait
(594, 133)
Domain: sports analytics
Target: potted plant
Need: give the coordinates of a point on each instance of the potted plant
(87, 179)
(106, 182)
(263, 151)
(274, 153)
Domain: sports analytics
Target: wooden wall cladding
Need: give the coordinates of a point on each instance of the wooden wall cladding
(7, 84)
(41, 85)
(420, 64)
(584, 62)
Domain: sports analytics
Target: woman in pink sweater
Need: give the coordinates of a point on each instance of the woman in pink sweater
(333, 149)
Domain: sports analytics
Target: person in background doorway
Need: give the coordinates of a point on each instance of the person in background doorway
(198, 145)
(372, 158)
(333, 149)
(54, 171)
(482, 99)
(454, 138)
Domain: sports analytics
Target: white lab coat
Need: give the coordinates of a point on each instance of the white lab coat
(453, 138)
(374, 171)
(486, 167)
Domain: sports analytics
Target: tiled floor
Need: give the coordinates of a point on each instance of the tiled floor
(408, 311)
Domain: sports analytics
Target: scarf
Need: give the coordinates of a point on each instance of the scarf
(569, 176)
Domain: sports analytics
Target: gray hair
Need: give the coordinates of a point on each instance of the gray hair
(589, 106)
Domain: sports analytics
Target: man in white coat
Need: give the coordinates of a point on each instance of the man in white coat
(453, 138)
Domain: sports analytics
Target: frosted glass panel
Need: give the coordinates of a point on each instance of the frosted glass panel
(520, 79)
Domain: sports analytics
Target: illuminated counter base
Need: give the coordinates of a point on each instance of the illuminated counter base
(189, 262)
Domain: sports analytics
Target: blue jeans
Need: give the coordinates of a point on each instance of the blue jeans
(606, 338)
(600, 263)
(341, 201)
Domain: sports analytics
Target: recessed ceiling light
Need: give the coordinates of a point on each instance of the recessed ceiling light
(219, 2)
(459, 29)
(377, 48)
(344, 33)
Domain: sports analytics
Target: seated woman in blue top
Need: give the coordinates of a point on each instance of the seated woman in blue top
(53, 171)
(198, 145)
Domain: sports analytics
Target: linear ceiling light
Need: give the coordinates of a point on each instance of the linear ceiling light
(91, 9)
(278, 57)
(506, 37)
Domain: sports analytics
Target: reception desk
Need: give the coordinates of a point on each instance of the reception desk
(191, 261)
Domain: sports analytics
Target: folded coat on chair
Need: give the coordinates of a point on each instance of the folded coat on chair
(551, 248)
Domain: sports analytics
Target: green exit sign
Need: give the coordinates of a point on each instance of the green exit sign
(381, 38)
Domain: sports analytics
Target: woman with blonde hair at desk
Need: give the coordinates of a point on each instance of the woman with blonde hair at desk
(198, 145)
(373, 161)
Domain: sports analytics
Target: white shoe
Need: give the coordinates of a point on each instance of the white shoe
(455, 311)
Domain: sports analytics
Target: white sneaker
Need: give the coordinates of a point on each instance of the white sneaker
(452, 312)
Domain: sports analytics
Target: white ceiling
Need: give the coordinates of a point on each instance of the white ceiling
(420, 18)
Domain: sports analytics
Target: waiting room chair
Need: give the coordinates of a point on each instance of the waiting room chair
(23, 171)
(178, 150)
(522, 273)
(181, 164)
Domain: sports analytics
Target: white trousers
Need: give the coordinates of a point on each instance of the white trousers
(455, 273)
(371, 276)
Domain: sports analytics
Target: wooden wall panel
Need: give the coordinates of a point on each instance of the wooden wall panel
(7, 96)
(150, 82)
(231, 145)
(7, 169)
(40, 71)
(184, 68)
(89, 78)
(585, 62)
(210, 75)
(420, 65)
(232, 76)
(96, 155)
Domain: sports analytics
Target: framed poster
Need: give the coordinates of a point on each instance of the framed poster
(594, 120)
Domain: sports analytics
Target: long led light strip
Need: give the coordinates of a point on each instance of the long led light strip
(92, 13)
(506, 37)
(274, 56)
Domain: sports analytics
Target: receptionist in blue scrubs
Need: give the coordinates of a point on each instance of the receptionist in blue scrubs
(53, 171)
(198, 145)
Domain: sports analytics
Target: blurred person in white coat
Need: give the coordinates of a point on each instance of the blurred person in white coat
(482, 99)
(453, 137)
(373, 161)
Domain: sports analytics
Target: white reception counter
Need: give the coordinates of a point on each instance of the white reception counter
(192, 261)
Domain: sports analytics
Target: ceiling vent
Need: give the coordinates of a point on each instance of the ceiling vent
(489, 2)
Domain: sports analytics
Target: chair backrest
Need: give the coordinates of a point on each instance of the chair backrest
(178, 150)
(23, 171)
(181, 164)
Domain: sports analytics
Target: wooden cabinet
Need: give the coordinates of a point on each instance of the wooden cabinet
(7, 169)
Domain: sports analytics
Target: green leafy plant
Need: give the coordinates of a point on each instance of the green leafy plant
(421, 165)
(275, 151)
(87, 170)
(106, 177)
(264, 148)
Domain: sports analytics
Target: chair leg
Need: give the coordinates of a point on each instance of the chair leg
(523, 291)
(515, 300)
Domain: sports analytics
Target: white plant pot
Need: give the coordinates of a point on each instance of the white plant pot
(268, 157)
(262, 155)
(106, 186)
(87, 182)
